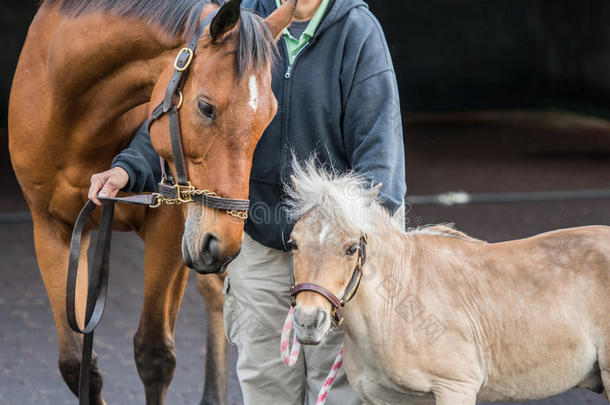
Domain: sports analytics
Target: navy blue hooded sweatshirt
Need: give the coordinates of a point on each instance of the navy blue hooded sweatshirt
(338, 100)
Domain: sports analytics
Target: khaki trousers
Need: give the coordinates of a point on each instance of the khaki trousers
(256, 303)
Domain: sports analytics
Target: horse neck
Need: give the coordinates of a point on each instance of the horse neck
(103, 66)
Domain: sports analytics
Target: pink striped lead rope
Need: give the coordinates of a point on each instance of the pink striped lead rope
(291, 355)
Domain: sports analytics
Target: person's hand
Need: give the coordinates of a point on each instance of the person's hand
(107, 184)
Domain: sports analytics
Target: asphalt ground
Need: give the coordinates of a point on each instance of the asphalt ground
(476, 153)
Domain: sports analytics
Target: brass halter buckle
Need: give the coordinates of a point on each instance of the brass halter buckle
(158, 201)
(185, 193)
(188, 61)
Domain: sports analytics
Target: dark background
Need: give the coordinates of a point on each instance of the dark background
(498, 96)
(452, 54)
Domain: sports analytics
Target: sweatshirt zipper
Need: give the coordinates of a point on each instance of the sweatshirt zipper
(286, 96)
(288, 74)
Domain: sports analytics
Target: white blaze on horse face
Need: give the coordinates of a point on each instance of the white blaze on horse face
(324, 233)
(253, 86)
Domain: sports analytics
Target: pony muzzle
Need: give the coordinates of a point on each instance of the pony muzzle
(311, 325)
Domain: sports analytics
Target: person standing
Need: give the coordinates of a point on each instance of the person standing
(338, 100)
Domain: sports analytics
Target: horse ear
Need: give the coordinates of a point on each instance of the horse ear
(281, 18)
(375, 191)
(226, 19)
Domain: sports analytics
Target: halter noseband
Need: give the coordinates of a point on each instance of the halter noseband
(180, 190)
(336, 303)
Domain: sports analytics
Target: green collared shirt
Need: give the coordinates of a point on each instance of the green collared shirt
(295, 46)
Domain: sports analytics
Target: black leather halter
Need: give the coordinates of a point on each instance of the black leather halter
(170, 192)
(350, 291)
(180, 190)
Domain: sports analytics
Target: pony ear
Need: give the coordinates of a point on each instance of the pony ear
(374, 192)
(281, 18)
(226, 19)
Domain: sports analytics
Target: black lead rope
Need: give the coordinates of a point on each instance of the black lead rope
(97, 288)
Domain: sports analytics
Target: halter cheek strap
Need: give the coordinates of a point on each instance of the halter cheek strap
(180, 190)
(350, 291)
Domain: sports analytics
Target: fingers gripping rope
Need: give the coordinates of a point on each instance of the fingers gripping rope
(290, 357)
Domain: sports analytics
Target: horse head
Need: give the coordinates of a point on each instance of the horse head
(224, 105)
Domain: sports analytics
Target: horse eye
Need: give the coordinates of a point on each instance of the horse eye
(207, 109)
(351, 250)
(292, 245)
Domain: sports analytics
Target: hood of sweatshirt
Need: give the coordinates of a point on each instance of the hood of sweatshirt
(337, 9)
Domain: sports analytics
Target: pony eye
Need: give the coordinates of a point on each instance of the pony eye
(351, 250)
(207, 109)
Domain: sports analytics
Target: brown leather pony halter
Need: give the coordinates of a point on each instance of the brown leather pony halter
(336, 303)
(170, 192)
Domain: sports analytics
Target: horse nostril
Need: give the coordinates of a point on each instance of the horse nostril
(210, 249)
(186, 257)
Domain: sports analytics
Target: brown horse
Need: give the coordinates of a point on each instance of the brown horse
(441, 317)
(88, 76)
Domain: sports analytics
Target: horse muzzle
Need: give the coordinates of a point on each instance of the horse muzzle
(209, 259)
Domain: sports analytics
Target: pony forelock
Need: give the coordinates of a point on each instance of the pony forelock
(347, 200)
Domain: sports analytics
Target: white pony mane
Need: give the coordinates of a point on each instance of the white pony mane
(445, 229)
(346, 200)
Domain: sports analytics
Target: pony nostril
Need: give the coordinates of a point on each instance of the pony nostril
(309, 320)
(321, 318)
(297, 318)
(210, 249)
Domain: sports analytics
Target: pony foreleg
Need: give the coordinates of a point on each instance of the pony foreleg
(454, 398)
(215, 384)
(52, 242)
(164, 282)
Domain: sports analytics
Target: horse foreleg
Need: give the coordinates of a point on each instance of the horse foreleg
(215, 384)
(164, 282)
(52, 243)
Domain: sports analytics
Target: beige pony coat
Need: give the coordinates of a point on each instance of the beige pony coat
(462, 319)
(443, 317)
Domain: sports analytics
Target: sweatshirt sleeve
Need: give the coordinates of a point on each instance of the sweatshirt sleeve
(372, 123)
(141, 163)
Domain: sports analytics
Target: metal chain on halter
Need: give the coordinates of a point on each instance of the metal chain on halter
(181, 191)
(185, 194)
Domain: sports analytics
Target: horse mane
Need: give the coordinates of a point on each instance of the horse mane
(256, 47)
(346, 200)
(444, 230)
